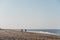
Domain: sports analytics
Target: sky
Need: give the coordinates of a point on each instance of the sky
(30, 14)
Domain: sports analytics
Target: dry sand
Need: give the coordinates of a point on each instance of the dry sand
(15, 35)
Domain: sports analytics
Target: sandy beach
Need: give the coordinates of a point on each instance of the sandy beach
(15, 35)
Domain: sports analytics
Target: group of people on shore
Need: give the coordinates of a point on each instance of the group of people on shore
(23, 30)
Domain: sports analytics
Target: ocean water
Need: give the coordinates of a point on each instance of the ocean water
(51, 31)
(45, 31)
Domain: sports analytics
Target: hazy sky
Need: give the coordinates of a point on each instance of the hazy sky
(40, 14)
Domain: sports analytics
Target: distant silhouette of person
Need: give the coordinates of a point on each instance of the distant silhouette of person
(25, 30)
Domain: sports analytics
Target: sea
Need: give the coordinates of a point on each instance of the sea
(47, 31)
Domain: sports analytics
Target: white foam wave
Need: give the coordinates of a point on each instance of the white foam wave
(45, 32)
(42, 32)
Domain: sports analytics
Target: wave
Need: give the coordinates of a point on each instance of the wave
(43, 32)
